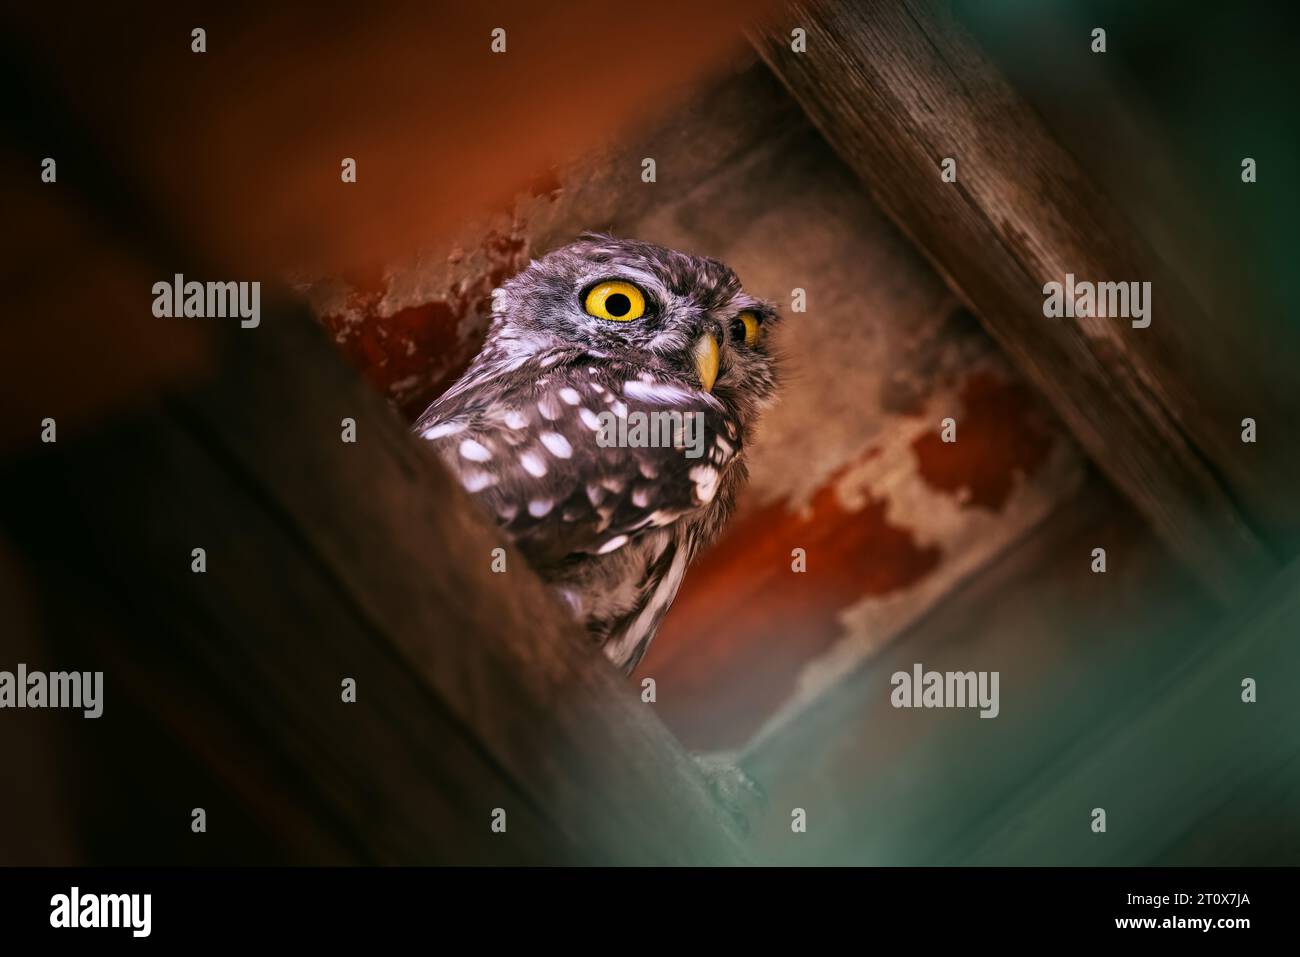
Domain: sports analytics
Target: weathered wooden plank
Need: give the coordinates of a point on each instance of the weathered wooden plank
(235, 674)
(896, 87)
(34, 745)
(1117, 690)
(496, 647)
(1166, 774)
(100, 529)
(328, 560)
(1176, 174)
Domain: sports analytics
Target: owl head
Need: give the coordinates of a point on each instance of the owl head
(635, 304)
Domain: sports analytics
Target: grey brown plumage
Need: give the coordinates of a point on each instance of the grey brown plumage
(612, 527)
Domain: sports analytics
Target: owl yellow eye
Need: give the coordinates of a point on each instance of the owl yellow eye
(750, 322)
(619, 301)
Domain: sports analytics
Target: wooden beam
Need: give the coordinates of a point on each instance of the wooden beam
(1116, 691)
(1194, 776)
(325, 560)
(328, 560)
(896, 86)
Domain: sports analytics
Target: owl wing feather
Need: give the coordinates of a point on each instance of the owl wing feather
(532, 443)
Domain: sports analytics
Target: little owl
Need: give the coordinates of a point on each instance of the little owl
(611, 513)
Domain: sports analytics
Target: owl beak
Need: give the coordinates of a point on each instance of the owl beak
(705, 353)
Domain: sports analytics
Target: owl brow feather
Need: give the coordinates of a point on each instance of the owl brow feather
(686, 274)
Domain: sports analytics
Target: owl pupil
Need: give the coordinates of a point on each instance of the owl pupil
(618, 304)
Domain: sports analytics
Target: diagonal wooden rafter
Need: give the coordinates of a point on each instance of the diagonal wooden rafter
(327, 560)
(324, 559)
(897, 86)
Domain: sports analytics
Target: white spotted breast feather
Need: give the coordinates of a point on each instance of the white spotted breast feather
(525, 439)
